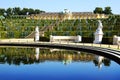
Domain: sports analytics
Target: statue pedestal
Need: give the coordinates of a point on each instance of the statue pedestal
(98, 38)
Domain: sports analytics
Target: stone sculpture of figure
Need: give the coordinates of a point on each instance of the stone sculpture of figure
(99, 29)
(100, 24)
(99, 33)
(37, 33)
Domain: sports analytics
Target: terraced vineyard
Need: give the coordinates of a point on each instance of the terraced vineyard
(21, 27)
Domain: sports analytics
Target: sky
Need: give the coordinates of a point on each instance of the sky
(60, 5)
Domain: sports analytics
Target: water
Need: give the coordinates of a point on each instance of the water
(53, 64)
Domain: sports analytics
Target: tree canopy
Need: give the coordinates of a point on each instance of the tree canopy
(99, 10)
(18, 11)
(107, 10)
(2, 11)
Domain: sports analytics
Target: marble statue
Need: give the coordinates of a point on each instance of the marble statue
(36, 34)
(99, 33)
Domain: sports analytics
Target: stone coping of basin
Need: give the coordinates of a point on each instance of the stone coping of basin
(31, 40)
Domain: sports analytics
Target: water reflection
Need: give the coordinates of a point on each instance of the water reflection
(100, 60)
(67, 59)
(37, 50)
(17, 56)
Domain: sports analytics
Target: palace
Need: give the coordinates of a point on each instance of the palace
(66, 14)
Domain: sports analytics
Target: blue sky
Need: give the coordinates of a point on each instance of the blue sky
(60, 5)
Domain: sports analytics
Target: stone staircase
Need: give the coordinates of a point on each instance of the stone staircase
(50, 27)
(32, 35)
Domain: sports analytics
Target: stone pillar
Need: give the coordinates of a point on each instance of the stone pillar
(51, 38)
(115, 40)
(78, 38)
(36, 34)
(99, 33)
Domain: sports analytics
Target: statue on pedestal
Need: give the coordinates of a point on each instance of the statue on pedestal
(99, 33)
(36, 34)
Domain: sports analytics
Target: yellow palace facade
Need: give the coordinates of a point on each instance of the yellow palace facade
(66, 14)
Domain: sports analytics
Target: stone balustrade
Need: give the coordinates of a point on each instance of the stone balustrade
(65, 38)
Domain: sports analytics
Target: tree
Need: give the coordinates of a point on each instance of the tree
(16, 10)
(2, 11)
(9, 11)
(107, 10)
(31, 11)
(98, 10)
(37, 11)
(24, 11)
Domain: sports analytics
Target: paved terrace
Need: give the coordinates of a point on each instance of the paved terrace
(109, 51)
